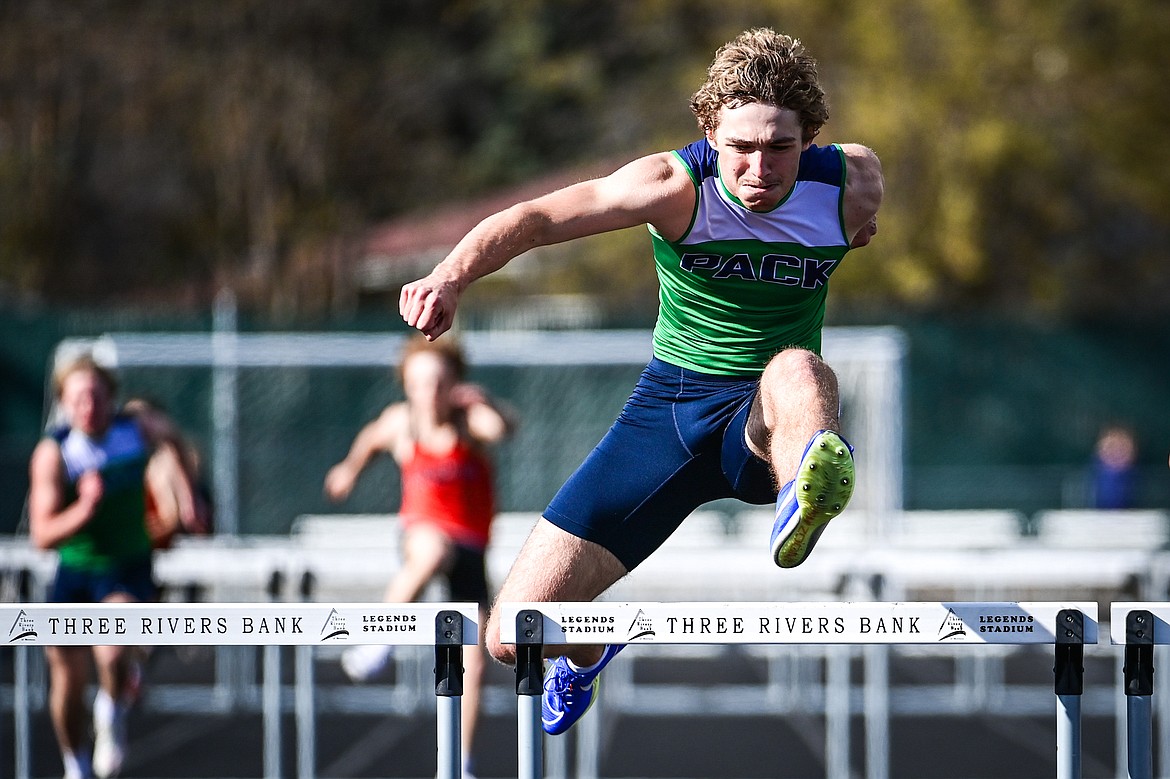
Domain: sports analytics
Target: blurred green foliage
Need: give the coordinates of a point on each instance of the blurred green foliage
(158, 151)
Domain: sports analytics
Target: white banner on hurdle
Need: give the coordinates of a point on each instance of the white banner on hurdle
(1160, 611)
(229, 624)
(798, 623)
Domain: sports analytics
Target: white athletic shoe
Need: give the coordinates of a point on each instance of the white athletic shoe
(109, 741)
(77, 765)
(77, 774)
(362, 663)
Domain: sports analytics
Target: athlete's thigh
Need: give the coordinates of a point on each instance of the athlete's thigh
(745, 443)
(652, 468)
(69, 662)
(552, 565)
(425, 548)
(555, 565)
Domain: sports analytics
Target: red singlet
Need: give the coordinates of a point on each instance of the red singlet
(452, 491)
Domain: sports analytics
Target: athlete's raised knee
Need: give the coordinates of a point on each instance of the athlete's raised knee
(795, 369)
(794, 363)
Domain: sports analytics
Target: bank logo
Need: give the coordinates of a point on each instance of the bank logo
(952, 627)
(641, 627)
(334, 627)
(23, 630)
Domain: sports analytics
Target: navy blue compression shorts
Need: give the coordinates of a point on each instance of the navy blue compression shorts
(133, 578)
(678, 443)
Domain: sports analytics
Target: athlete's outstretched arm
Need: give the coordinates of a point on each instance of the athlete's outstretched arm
(650, 190)
(380, 435)
(489, 419)
(864, 188)
(51, 519)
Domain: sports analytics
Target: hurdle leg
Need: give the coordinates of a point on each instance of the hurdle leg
(271, 693)
(1068, 736)
(1162, 721)
(529, 686)
(303, 694)
(837, 711)
(877, 712)
(588, 735)
(271, 706)
(1139, 691)
(449, 692)
(304, 698)
(1069, 686)
(22, 730)
(21, 698)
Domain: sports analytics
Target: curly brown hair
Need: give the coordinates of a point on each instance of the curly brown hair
(762, 66)
(448, 349)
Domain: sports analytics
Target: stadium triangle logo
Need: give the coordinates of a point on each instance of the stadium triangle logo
(24, 629)
(641, 627)
(952, 627)
(334, 626)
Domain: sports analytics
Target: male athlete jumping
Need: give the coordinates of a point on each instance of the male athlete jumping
(747, 225)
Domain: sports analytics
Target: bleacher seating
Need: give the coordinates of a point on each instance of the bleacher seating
(352, 556)
(969, 529)
(1089, 529)
(713, 556)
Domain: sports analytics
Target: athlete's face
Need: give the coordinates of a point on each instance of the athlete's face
(759, 150)
(427, 380)
(87, 402)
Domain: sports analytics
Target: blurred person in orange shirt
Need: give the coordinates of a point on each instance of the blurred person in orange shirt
(438, 437)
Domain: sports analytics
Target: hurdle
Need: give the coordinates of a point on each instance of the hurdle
(446, 626)
(1139, 627)
(535, 627)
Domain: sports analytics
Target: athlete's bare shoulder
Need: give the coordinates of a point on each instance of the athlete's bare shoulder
(864, 189)
(863, 173)
(666, 188)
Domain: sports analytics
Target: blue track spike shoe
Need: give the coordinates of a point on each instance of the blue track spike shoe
(821, 490)
(568, 694)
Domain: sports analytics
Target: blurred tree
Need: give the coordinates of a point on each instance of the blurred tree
(1020, 177)
(160, 150)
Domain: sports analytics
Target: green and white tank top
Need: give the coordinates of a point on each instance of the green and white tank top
(742, 285)
(117, 531)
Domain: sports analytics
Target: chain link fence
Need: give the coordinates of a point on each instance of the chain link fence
(271, 412)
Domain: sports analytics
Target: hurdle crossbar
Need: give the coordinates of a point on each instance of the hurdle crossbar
(446, 626)
(226, 624)
(535, 627)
